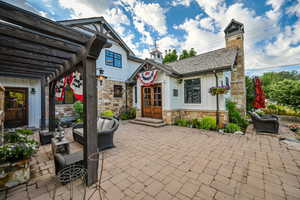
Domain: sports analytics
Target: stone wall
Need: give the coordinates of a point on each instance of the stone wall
(171, 116)
(63, 110)
(238, 87)
(107, 101)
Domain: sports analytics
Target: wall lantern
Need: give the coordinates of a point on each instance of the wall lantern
(32, 91)
(179, 81)
(101, 76)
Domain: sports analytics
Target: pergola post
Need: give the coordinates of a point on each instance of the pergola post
(52, 106)
(90, 117)
(43, 103)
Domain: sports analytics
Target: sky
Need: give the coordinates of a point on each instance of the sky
(272, 27)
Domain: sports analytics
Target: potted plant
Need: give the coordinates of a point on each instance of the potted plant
(219, 90)
(293, 127)
(15, 154)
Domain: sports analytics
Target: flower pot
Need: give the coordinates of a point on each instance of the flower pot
(12, 174)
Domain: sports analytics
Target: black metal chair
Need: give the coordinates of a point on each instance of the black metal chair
(265, 123)
(106, 127)
(62, 161)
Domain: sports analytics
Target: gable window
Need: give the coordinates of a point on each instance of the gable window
(113, 59)
(118, 89)
(192, 91)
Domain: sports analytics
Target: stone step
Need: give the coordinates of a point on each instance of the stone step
(155, 125)
(149, 120)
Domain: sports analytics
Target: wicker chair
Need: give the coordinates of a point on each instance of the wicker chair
(106, 128)
(265, 123)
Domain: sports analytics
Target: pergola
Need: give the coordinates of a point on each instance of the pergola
(34, 47)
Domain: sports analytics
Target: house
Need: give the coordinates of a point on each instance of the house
(180, 89)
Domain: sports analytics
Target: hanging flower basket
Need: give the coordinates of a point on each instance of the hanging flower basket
(219, 90)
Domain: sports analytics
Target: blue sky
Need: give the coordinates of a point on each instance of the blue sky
(272, 27)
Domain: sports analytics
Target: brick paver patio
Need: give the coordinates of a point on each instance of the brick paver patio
(181, 163)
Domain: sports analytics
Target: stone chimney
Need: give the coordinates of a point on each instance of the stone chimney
(234, 37)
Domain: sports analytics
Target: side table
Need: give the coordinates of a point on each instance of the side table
(62, 146)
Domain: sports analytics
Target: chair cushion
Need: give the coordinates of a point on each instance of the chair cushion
(100, 123)
(107, 125)
(78, 131)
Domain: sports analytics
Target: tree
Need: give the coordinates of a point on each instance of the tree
(270, 78)
(286, 92)
(187, 54)
(170, 56)
(250, 93)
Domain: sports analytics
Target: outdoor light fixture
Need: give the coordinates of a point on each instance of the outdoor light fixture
(100, 76)
(32, 91)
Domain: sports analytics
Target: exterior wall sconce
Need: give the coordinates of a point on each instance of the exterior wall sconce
(100, 76)
(179, 81)
(33, 91)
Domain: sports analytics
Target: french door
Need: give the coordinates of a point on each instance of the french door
(152, 101)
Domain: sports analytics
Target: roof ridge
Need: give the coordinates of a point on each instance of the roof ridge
(200, 54)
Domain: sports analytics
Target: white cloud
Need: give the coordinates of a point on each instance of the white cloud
(185, 3)
(116, 16)
(146, 36)
(151, 14)
(294, 9)
(85, 8)
(168, 42)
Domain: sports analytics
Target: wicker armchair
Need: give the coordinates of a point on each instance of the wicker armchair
(106, 128)
(265, 123)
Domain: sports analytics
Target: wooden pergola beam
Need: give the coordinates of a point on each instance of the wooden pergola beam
(28, 72)
(14, 43)
(5, 64)
(16, 68)
(29, 20)
(38, 38)
(18, 75)
(26, 61)
(30, 55)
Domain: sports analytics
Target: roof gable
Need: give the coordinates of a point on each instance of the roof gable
(97, 25)
(234, 27)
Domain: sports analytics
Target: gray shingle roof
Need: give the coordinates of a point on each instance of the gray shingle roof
(214, 60)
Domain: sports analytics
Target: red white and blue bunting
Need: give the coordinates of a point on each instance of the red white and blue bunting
(75, 84)
(148, 77)
(60, 89)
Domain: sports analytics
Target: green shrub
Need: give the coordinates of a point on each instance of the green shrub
(234, 115)
(78, 108)
(25, 131)
(231, 128)
(107, 113)
(132, 113)
(207, 123)
(281, 110)
(181, 122)
(124, 116)
(195, 123)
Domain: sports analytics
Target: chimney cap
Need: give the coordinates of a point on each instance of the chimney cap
(233, 28)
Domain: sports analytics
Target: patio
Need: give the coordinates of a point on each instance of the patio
(182, 163)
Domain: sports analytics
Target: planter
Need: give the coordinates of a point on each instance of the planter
(12, 174)
(219, 90)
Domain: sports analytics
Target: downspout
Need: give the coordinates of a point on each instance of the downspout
(217, 98)
(126, 101)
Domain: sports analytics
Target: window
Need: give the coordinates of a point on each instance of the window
(113, 59)
(118, 89)
(69, 97)
(175, 92)
(192, 91)
(227, 81)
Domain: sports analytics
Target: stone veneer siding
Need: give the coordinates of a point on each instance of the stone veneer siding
(107, 101)
(170, 116)
(238, 87)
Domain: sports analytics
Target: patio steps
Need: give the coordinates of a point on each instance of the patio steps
(156, 123)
